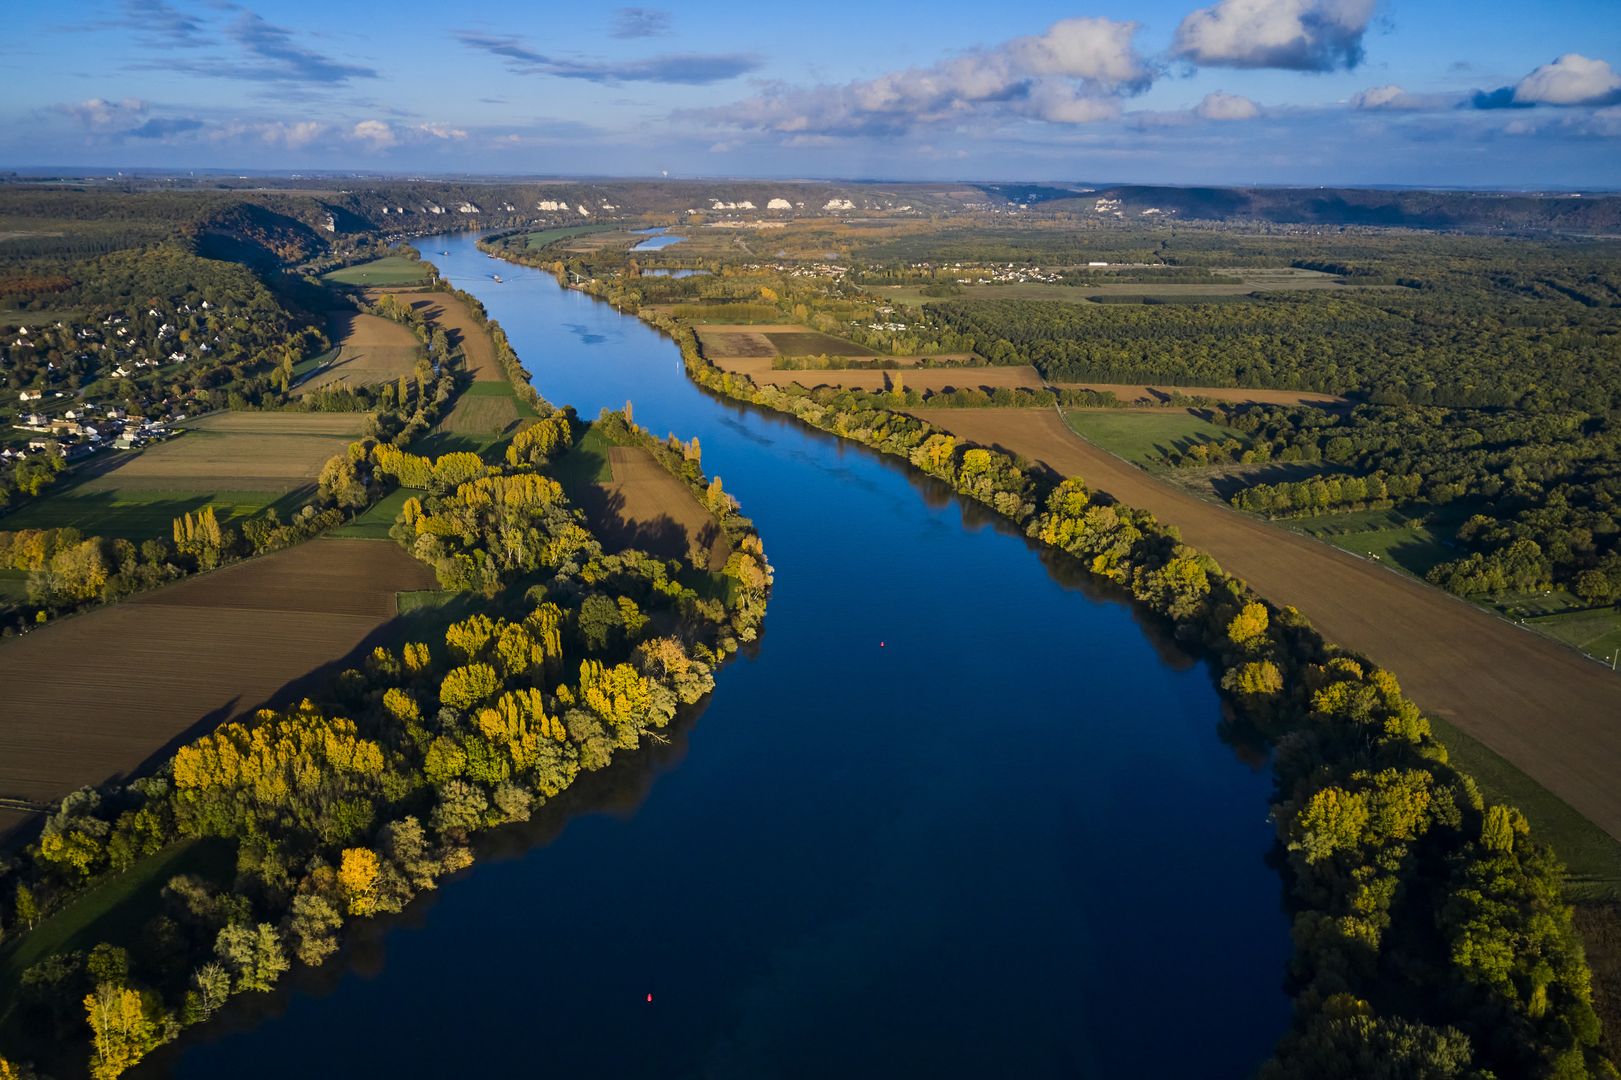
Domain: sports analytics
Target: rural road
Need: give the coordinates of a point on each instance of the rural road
(1544, 707)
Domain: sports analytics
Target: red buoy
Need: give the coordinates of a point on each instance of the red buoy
(880, 644)
(650, 999)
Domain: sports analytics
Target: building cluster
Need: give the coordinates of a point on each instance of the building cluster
(59, 358)
(85, 429)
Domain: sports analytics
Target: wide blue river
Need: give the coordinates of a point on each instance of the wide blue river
(958, 814)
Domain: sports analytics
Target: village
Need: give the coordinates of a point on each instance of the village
(65, 364)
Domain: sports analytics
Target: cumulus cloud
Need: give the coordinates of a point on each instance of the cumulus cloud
(1299, 35)
(375, 133)
(689, 69)
(99, 114)
(1220, 105)
(639, 22)
(1389, 96)
(1572, 79)
(1074, 73)
(441, 131)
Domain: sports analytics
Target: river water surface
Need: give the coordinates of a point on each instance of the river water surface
(956, 815)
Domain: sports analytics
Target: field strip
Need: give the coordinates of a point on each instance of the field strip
(98, 696)
(1544, 707)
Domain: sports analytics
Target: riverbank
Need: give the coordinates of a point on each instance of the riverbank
(1277, 673)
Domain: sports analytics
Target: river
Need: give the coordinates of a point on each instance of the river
(958, 814)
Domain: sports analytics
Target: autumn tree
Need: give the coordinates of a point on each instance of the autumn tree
(125, 1026)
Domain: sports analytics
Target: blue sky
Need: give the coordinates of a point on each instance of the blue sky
(1436, 92)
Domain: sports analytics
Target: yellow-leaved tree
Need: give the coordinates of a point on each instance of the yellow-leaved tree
(125, 1026)
(357, 878)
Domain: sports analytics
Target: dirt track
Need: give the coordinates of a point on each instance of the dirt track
(1550, 711)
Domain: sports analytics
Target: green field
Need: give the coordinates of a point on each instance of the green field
(1414, 539)
(1142, 437)
(1591, 855)
(1595, 631)
(389, 270)
(379, 517)
(314, 363)
(13, 586)
(133, 514)
(586, 464)
(536, 240)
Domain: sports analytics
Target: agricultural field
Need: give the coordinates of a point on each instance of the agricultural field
(1244, 281)
(105, 694)
(449, 312)
(1414, 539)
(370, 350)
(632, 502)
(1144, 436)
(141, 514)
(240, 451)
(238, 462)
(1132, 393)
(727, 341)
(920, 379)
(389, 270)
(547, 237)
(1475, 670)
(375, 523)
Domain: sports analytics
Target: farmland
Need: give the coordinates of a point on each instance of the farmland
(1144, 436)
(632, 502)
(1243, 282)
(241, 451)
(546, 237)
(370, 350)
(727, 341)
(238, 462)
(488, 410)
(1132, 393)
(920, 379)
(389, 270)
(1478, 672)
(102, 695)
(448, 311)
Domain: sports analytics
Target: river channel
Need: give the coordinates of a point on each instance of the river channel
(959, 813)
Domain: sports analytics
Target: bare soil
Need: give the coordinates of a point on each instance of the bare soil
(110, 693)
(371, 350)
(647, 508)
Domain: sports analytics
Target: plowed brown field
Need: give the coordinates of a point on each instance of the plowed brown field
(103, 695)
(647, 508)
(1553, 713)
(371, 350)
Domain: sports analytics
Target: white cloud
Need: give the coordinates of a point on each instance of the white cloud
(1074, 73)
(375, 132)
(1572, 79)
(1389, 96)
(1301, 35)
(441, 131)
(98, 114)
(1220, 105)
